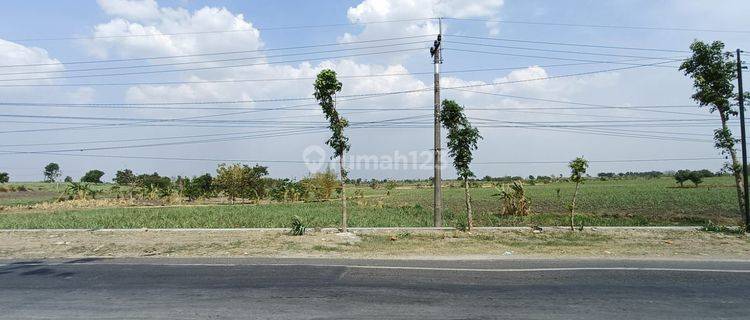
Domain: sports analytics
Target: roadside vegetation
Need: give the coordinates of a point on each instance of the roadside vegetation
(153, 201)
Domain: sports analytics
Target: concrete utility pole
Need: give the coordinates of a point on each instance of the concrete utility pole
(746, 207)
(437, 59)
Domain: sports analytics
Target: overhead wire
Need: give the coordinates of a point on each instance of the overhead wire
(598, 26)
(220, 60)
(215, 53)
(598, 46)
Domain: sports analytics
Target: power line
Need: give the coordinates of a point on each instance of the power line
(216, 102)
(557, 58)
(557, 51)
(274, 121)
(601, 26)
(213, 53)
(301, 78)
(345, 96)
(209, 67)
(214, 61)
(558, 76)
(303, 162)
(246, 137)
(588, 105)
(253, 29)
(567, 44)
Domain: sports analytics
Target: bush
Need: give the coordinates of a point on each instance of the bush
(298, 227)
(80, 191)
(681, 176)
(514, 199)
(287, 190)
(4, 177)
(153, 180)
(68, 179)
(93, 176)
(321, 184)
(241, 181)
(693, 176)
(198, 187)
(124, 177)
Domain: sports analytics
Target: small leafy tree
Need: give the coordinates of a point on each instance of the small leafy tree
(241, 181)
(321, 185)
(198, 187)
(288, 190)
(124, 177)
(462, 141)
(577, 170)
(93, 176)
(326, 86)
(153, 181)
(681, 176)
(68, 179)
(4, 177)
(714, 71)
(51, 172)
(695, 177)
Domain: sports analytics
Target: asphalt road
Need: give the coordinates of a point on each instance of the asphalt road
(373, 289)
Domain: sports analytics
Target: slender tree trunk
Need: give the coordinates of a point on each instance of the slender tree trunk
(469, 218)
(736, 168)
(343, 193)
(573, 208)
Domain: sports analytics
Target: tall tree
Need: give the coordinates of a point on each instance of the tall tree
(326, 86)
(713, 71)
(51, 172)
(462, 141)
(577, 169)
(4, 178)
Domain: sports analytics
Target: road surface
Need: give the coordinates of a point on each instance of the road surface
(373, 289)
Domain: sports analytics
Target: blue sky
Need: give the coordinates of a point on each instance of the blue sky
(20, 21)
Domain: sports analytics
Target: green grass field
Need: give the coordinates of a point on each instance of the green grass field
(601, 203)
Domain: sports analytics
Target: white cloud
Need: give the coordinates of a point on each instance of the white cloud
(381, 10)
(82, 95)
(12, 53)
(131, 9)
(161, 22)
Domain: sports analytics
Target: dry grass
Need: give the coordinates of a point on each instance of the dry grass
(495, 244)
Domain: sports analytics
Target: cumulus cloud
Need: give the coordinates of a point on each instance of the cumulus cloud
(381, 10)
(131, 9)
(134, 18)
(36, 59)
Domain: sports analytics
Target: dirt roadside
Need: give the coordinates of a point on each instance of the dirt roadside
(384, 244)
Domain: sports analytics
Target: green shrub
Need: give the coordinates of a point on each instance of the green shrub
(298, 227)
(321, 184)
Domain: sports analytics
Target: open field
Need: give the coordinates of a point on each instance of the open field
(629, 202)
(489, 244)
